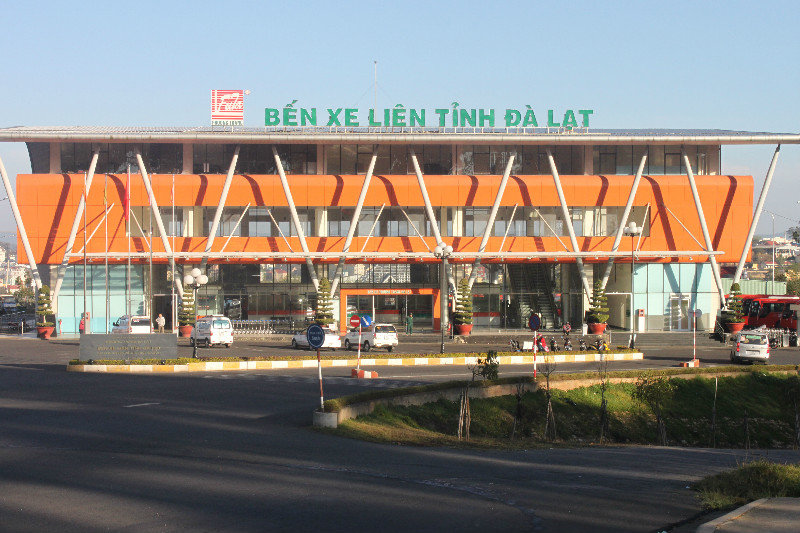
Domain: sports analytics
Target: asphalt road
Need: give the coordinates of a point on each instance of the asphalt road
(234, 452)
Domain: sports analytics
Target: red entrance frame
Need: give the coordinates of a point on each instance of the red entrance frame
(344, 293)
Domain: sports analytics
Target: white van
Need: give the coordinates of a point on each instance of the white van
(132, 324)
(213, 329)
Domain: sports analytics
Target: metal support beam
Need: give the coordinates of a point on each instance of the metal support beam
(508, 227)
(759, 208)
(62, 268)
(235, 227)
(704, 227)
(159, 222)
(280, 231)
(295, 219)
(568, 223)
(372, 228)
(99, 223)
(428, 208)
(624, 221)
(351, 231)
(492, 215)
(220, 207)
(414, 227)
(12, 199)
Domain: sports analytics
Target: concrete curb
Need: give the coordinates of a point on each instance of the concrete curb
(228, 366)
(710, 527)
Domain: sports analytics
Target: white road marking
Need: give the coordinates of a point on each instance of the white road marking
(142, 404)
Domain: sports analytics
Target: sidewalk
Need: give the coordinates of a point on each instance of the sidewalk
(774, 515)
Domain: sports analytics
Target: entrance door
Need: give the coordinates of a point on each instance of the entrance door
(162, 303)
(679, 312)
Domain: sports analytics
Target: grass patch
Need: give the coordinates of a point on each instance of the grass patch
(755, 409)
(747, 483)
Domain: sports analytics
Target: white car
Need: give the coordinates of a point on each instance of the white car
(213, 329)
(750, 346)
(332, 340)
(132, 324)
(374, 336)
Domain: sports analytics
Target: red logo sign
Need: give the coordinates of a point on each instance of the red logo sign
(227, 107)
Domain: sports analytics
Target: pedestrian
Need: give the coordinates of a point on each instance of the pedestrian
(82, 325)
(410, 323)
(160, 321)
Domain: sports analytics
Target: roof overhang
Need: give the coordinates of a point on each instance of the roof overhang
(335, 135)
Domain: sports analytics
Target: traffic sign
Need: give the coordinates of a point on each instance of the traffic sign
(534, 322)
(315, 335)
(355, 321)
(366, 321)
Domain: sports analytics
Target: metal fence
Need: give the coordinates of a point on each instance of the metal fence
(278, 326)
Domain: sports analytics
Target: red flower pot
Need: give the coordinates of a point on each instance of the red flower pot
(463, 329)
(734, 327)
(44, 332)
(185, 330)
(596, 328)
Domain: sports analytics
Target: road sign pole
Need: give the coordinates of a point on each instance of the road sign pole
(694, 335)
(358, 366)
(535, 348)
(319, 370)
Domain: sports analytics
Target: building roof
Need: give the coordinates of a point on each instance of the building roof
(350, 135)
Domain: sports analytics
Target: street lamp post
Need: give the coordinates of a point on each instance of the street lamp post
(194, 280)
(772, 287)
(442, 252)
(634, 231)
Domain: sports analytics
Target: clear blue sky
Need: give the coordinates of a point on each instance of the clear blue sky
(728, 65)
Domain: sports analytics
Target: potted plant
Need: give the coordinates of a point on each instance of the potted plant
(462, 318)
(324, 311)
(597, 315)
(732, 317)
(44, 312)
(187, 315)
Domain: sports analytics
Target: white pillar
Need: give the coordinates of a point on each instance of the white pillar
(492, 215)
(624, 221)
(354, 221)
(704, 227)
(62, 269)
(188, 158)
(568, 222)
(159, 222)
(428, 208)
(12, 199)
(55, 160)
(759, 208)
(220, 206)
(295, 219)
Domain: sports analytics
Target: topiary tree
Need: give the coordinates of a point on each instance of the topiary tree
(598, 312)
(733, 313)
(44, 309)
(324, 312)
(188, 313)
(463, 313)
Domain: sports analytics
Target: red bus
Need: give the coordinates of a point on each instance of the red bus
(770, 311)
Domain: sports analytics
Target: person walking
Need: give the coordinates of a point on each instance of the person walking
(82, 325)
(410, 323)
(160, 321)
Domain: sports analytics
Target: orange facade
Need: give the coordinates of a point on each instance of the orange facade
(48, 203)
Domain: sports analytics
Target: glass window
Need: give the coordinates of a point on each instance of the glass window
(475, 220)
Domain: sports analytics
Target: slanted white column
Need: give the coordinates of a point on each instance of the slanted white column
(624, 221)
(428, 208)
(492, 215)
(568, 223)
(353, 222)
(704, 227)
(295, 219)
(159, 222)
(20, 226)
(220, 207)
(759, 208)
(62, 268)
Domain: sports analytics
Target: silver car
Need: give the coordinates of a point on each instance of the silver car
(750, 346)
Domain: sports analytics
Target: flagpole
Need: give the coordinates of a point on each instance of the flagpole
(105, 202)
(128, 233)
(87, 327)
